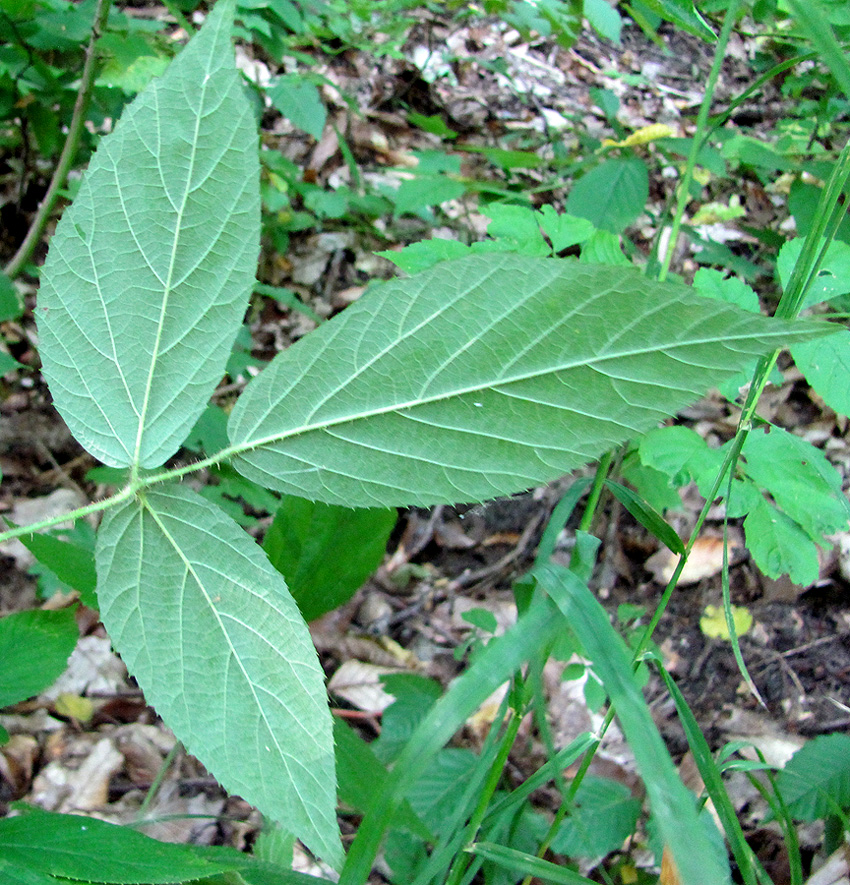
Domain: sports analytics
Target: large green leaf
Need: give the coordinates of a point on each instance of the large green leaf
(92, 850)
(216, 642)
(150, 269)
(482, 376)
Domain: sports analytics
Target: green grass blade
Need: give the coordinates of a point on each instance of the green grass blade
(526, 864)
(713, 781)
(496, 664)
(671, 803)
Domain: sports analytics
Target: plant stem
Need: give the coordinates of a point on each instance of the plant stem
(696, 142)
(107, 503)
(69, 150)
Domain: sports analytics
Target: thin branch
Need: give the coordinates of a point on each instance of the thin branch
(69, 151)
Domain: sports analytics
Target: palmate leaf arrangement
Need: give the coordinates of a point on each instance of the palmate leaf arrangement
(477, 378)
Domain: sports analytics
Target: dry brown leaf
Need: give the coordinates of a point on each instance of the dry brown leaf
(669, 872)
(705, 561)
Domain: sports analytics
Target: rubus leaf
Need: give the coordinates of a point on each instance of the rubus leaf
(34, 648)
(612, 195)
(209, 630)
(826, 365)
(95, 851)
(150, 269)
(482, 376)
(816, 780)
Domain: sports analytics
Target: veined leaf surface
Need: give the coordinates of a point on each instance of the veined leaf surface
(209, 629)
(483, 376)
(150, 269)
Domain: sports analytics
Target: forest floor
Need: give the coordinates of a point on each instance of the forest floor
(442, 563)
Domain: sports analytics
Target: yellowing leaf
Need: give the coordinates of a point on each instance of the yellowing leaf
(644, 135)
(74, 707)
(713, 621)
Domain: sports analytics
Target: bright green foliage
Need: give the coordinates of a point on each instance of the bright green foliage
(34, 648)
(326, 552)
(71, 563)
(299, 101)
(209, 629)
(826, 365)
(604, 817)
(683, 14)
(149, 271)
(612, 195)
(816, 780)
(482, 376)
(832, 279)
(807, 501)
(672, 805)
(94, 851)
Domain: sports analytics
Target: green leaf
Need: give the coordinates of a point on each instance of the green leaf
(426, 253)
(647, 516)
(684, 15)
(12, 874)
(672, 805)
(34, 648)
(483, 376)
(833, 276)
(604, 18)
(150, 269)
(605, 816)
(361, 775)
(715, 284)
(817, 778)
(779, 546)
(326, 552)
(826, 365)
(9, 364)
(611, 195)
(299, 101)
(71, 563)
(209, 630)
(10, 303)
(603, 247)
(799, 478)
(92, 850)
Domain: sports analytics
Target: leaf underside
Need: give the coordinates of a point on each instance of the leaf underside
(150, 269)
(211, 633)
(483, 376)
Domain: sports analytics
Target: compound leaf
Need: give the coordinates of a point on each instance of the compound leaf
(150, 269)
(209, 630)
(483, 376)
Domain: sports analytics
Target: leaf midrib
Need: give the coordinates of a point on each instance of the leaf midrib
(594, 362)
(190, 569)
(167, 286)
